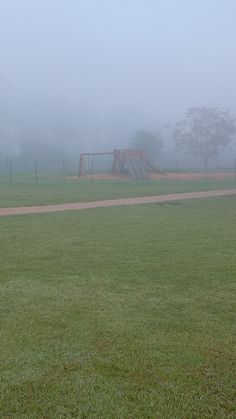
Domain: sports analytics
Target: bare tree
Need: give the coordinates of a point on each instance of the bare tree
(205, 131)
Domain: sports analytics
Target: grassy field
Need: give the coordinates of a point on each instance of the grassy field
(119, 313)
(53, 190)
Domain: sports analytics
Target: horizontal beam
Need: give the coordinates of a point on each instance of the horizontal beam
(97, 154)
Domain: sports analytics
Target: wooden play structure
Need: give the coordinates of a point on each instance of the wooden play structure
(130, 162)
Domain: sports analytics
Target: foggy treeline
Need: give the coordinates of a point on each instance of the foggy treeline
(85, 76)
(40, 128)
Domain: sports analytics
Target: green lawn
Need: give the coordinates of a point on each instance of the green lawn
(119, 313)
(53, 190)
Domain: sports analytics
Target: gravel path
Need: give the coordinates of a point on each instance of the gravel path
(114, 202)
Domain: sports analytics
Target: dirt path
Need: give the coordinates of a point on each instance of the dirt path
(114, 202)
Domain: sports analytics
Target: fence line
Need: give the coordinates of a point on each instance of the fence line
(36, 170)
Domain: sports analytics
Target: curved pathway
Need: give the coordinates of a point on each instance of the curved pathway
(114, 202)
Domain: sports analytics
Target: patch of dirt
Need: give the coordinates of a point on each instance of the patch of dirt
(101, 177)
(164, 175)
(210, 175)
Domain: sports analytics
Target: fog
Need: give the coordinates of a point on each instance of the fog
(81, 75)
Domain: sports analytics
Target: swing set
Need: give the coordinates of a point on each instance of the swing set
(130, 162)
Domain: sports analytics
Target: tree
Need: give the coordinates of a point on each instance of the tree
(205, 131)
(149, 142)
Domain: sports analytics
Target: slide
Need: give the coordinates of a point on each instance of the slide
(136, 168)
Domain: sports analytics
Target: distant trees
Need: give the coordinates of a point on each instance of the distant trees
(204, 132)
(148, 141)
(39, 150)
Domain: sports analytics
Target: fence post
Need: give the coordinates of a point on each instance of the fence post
(11, 172)
(91, 172)
(206, 167)
(64, 171)
(26, 163)
(177, 170)
(7, 166)
(36, 171)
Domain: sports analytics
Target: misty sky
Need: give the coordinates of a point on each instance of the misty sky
(149, 57)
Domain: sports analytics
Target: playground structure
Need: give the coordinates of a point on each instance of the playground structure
(129, 162)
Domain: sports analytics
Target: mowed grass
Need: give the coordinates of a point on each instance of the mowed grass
(126, 312)
(52, 190)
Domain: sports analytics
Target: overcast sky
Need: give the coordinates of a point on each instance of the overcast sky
(150, 57)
